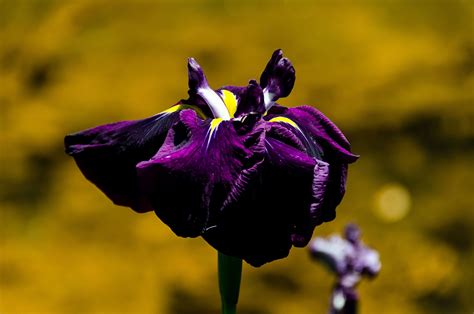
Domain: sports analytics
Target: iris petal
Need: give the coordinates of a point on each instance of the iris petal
(319, 130)
(198, 86)
(278, 78)
(273, 208)
(107, 154)
(333, 252)
(191, 176)
(249, 98)
(326, 142)
(320, 138)
(347, 256)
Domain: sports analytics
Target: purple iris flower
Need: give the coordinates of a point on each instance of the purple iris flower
(251, 177)
(349, 259)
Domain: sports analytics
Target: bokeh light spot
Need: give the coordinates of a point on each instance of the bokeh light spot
(392, 202)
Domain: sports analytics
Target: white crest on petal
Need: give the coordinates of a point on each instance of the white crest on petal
(215, 102)
(268, 98)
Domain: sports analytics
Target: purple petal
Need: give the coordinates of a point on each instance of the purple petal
(314, 130)
(333, 252)
(320, 191)
(309, 213)
(330, 173)
(249, 98)
(348, 259)
(196, 77)
(319, 129)
(367, 261)
(272, 209)
(277, 79)
(198, 87)
(352, 233)
(300, 175)
(192, 175)
(107, 154)
(333, 194)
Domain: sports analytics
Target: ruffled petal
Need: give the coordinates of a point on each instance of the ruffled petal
(107, 154)
(192, 175)
(273, 210)
(322, 135)
(325, 142)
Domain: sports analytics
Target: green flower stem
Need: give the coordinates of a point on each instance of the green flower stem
(230, 271)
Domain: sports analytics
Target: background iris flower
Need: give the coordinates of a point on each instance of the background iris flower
(349, 259)
(251, 177)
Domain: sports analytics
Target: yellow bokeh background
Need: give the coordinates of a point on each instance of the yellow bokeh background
(396, 76)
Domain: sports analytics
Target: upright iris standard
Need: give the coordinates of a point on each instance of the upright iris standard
(251, 177)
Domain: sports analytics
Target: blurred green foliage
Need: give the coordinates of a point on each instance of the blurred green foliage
(396, 76)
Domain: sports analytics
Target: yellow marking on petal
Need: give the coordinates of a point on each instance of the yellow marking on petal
(173, 109)
(184, 106)
(285, 120)
(214, 125)
(230, 101)
(212, 129)
(292, 123)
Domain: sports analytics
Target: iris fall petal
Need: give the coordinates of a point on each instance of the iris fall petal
(192, 175)
(107, 154)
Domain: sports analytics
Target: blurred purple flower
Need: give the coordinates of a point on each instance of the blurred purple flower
(349, 259)
(251, 177)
